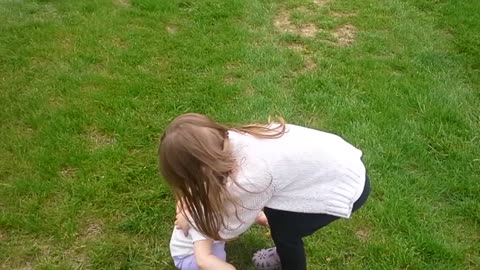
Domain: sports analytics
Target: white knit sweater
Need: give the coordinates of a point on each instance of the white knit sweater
(305, 170)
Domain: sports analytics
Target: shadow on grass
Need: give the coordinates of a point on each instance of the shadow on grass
(241, 250)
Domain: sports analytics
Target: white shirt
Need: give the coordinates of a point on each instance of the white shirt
(181, 245)
(305, 170)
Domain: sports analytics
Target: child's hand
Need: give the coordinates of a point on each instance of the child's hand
(180, 206)
(262, 219)
(181, 223)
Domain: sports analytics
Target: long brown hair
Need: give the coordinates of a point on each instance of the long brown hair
(196, 165)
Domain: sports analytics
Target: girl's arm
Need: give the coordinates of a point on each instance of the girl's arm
(181, 223)
(251, 198)
(206, 260)
(262, 219)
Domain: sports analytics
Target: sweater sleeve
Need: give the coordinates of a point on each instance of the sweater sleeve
(250, 197)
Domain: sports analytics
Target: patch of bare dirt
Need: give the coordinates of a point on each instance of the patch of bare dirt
(119, 43)
(321, 2)
(92, 230)
(345, 35)
(46, 12)
(26, 131)
(232, 65)
(101, 69)
(67, 43)
(56, 102)
(282, 23)
(39, 63)
(363, 234)
(122, 3)
(171, 29)
(308, 30)
(249, 91)
(99, 140)
(77, 256)
(28, 266)
(343, 14)
(308, 63)
(90, 88)
(231, 79)
(67, 172)
(298, 47)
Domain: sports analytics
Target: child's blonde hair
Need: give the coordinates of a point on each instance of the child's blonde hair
(196, 164)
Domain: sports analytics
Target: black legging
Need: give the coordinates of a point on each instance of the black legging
(288, 229)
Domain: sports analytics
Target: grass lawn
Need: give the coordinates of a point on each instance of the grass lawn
(86, 88)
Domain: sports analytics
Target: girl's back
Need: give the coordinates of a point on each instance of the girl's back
(304, 170)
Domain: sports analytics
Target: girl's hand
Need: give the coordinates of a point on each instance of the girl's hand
(180, 206)
(262, 219)
(181, 223)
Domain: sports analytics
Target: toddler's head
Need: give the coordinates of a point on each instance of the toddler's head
(195, 162)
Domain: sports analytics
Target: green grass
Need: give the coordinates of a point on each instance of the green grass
(86, 88)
